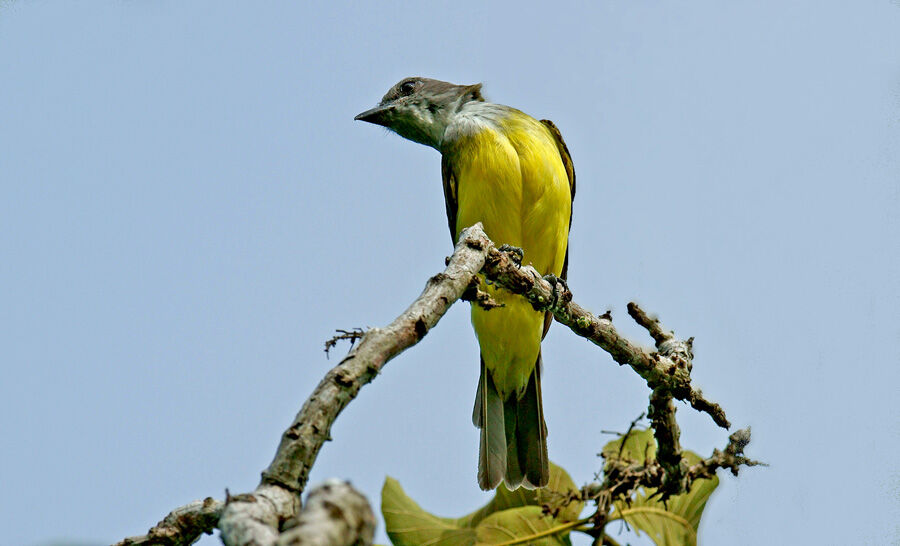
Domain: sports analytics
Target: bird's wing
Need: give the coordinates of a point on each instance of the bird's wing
(451, 199)
(570, 172)
(564, 155)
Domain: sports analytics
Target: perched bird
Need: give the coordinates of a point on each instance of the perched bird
(513, 174)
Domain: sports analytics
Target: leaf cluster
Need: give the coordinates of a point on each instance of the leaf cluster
(543, 517)
(669, 522)
(547, 516)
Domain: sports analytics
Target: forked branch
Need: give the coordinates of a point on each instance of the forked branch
(262, 516)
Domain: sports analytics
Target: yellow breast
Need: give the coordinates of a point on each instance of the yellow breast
(511, 178)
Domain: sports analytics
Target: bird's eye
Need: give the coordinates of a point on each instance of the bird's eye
(407, 88)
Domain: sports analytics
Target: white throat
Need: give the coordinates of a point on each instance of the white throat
(473, 118)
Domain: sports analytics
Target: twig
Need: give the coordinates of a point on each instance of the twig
(628, 432)
(352, 335)
(633, 424)
(181, 526)
(623, 477)
(608, 540)
(732, 458)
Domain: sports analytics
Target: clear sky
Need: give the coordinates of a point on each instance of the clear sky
(188, 210)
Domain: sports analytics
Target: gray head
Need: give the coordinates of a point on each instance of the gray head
(420, 108)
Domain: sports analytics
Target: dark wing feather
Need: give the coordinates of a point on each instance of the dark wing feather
(570, 172)
(564, 155)
(450, 195)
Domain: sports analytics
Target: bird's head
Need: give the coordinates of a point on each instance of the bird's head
(420, 109)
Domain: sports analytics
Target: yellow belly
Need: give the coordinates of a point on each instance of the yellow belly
(513, 181)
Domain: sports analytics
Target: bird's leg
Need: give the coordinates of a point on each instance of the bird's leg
(519, 254)
(559, 286)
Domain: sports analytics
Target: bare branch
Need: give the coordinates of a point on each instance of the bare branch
(301, 442)
(662, 409)
(668, 447)
(181, 526)
(257, 523)
(479, 297)
(253, 519)
(257, 518)
(335, 514)
(732, 458)
(671, 372)
(652, 325)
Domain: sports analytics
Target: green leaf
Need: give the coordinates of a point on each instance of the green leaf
(559, 487)
(522, 525)
(674, 523)
(408, 525)
(640, 446)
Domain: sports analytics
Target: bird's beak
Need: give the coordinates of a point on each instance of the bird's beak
(377, 115)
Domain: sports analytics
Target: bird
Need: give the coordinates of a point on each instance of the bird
(514, 174)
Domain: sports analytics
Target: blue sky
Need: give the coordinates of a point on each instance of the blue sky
(188, 210)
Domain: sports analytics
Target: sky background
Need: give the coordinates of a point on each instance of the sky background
(188, 211)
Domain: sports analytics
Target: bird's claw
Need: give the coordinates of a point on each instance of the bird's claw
(556, 283)
(518, 253)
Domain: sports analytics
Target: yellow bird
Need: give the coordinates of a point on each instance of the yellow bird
(513, 174)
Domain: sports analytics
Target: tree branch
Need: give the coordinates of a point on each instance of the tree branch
(183, 525)
(668, 447)
(254, 519)
(335, 514)
(666, 370)
(258, 518)
(732, 458)
(623, 477)
(662, 409)
(301, 442)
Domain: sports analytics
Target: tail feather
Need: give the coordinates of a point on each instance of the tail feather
(513, 445)
(531, 433)
(514, 465)
(493, 449)
(478, 410)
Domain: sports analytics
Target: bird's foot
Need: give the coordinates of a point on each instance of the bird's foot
(559, 287)
(518, 253)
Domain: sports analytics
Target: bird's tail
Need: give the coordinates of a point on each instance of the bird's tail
(513, 444)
